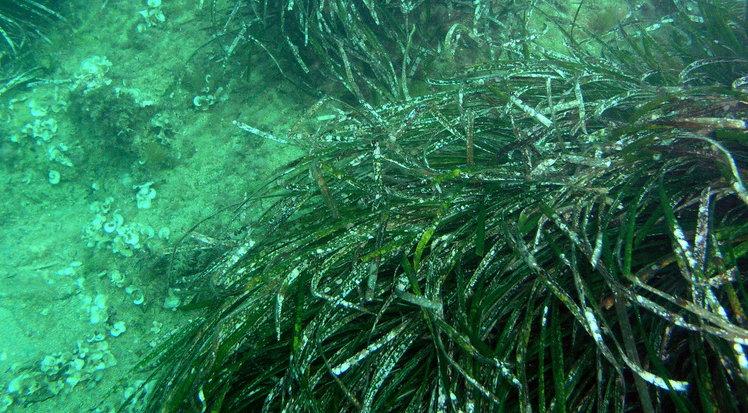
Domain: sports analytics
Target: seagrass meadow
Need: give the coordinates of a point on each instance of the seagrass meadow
(490, 205)
(21, 21)
(546, 225)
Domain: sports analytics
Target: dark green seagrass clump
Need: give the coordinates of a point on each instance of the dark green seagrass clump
(22, 20)
(558, 228)
(368, 51)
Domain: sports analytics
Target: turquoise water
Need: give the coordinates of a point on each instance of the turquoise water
(131, 131)
(105, 163)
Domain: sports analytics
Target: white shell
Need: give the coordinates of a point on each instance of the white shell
(138, 297)
(53, 177)
(117, 329)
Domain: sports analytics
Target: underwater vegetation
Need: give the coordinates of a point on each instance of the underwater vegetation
(375, 51)
(22, 20)
(548, 229)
